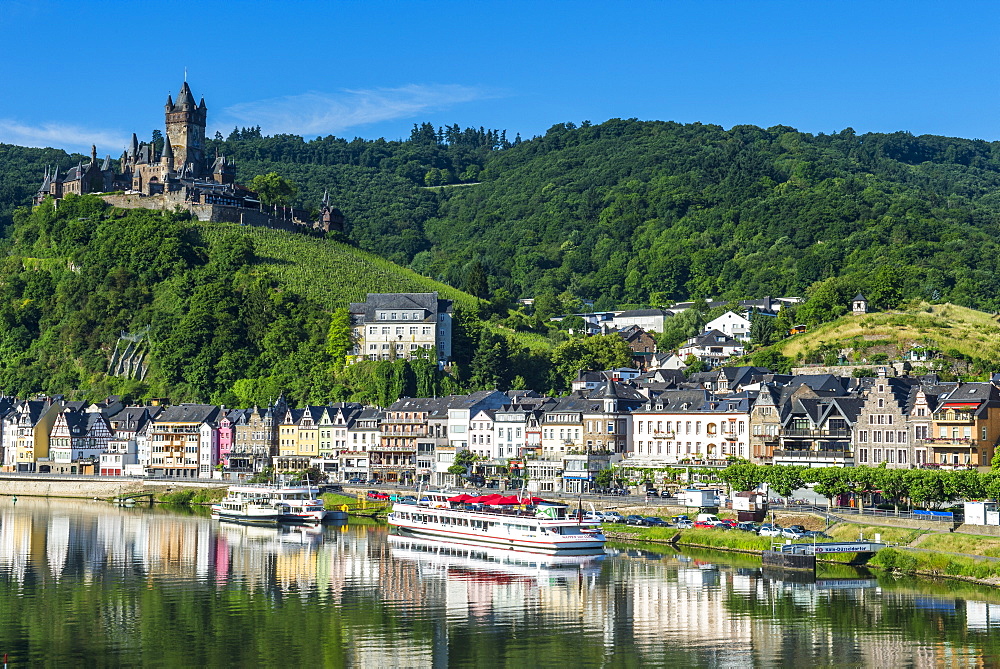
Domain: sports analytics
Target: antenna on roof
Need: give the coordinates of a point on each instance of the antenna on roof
(185, 75)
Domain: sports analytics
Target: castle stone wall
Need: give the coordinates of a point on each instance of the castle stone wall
(214, 213)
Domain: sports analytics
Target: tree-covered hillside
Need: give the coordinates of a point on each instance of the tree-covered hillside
(630, 212)
(634, 212)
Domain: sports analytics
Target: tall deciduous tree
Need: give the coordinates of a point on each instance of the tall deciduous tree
(339, 337)
(274, 188)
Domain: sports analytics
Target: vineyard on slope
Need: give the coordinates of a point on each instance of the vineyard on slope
(330, 273)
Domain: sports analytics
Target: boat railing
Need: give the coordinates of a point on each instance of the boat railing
(503, 514)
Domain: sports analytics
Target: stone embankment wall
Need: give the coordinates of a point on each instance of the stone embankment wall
(893, 369)
(45, 485)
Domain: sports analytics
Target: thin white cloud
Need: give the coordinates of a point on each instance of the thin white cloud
(316, 113)
(59, 135)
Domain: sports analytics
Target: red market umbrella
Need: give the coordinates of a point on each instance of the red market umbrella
(532, 500)
(510, 499)
(460, 498)
(489, 499)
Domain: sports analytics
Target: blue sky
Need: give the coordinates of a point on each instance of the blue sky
(83, 72)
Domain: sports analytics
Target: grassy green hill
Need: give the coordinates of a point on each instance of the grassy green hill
(329, 273)
(953, 331)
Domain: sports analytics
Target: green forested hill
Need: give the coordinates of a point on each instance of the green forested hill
(648, 212)
(630, 212)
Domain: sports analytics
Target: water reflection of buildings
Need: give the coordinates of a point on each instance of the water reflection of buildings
(646, 601)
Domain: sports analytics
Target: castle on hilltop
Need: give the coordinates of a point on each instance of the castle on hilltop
(180, 175)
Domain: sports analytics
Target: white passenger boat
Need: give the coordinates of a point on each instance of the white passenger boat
(524, 524)
(255, 510)
(303, 501)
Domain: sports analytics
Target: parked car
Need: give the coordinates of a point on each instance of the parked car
(356, 481)
(683, 524)
(729, 523)
(635, 520)
(590, 515)
(704, 525)
(656, 521)
(373, 482)
(652, 492)
(613, 517)
(769, 530)
(792, 533)
(747, 527)
(816, 534)
(677, 519)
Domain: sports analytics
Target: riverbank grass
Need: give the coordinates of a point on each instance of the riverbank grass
(333, 501)
(973, 544)
(730, 539)
(936, 564)
(191, 496)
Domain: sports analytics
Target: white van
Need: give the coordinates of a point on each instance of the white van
(710, 518)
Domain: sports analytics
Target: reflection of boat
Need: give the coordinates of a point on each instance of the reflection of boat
(300, 535)
(261, 510)
(486, 563)
(534, 526)
(303, 501)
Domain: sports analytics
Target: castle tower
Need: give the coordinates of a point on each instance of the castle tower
(186, 130)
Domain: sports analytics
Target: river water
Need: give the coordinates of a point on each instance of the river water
(83, 583)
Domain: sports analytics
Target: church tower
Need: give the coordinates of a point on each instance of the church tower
(186, 131)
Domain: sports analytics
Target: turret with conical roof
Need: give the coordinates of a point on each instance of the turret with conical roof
(168, 155)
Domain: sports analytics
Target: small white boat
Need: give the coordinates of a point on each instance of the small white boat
(261, 510)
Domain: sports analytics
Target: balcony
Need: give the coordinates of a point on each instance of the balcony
(954, 418)
(795, 433)
(815, 456)
(964, 442)
(394, 449)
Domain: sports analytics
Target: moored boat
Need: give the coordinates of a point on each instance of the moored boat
(261, 510)
(303, 502)
(525, 524)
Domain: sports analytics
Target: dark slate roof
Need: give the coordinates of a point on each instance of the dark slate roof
(637, 313)
(678, 400)
(713, 338)
(427, 301)
(369, 413)
(185, 96)
(131, 419)
(860, 297)
(827, 382)
(188, 413)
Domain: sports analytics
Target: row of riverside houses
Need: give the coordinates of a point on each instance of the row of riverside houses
(622, 418)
